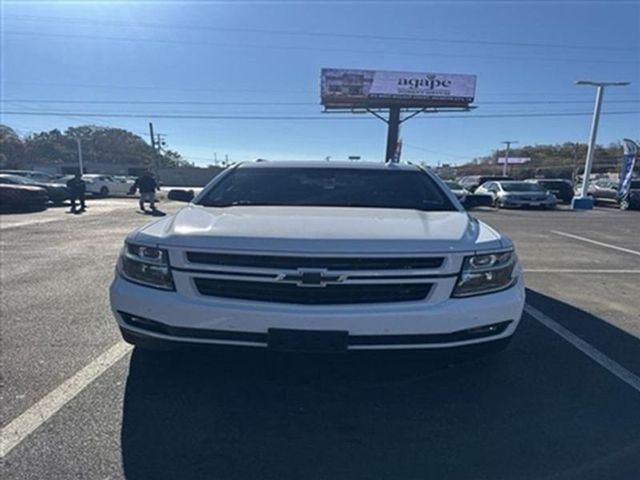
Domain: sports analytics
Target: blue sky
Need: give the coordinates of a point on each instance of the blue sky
(230, 53)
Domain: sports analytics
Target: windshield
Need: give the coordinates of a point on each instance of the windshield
(327, 187)
(454, 186)
(521, 187)
(554, 184)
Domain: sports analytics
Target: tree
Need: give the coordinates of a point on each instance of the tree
(557, 160)
(99, 145)
(11, 148)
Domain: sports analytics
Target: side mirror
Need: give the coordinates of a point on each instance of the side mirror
(474, 201)
(180, 195)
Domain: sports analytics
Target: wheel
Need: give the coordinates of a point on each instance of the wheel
(624, 204)
(104, 191)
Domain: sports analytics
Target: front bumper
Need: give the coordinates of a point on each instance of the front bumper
(169, 316)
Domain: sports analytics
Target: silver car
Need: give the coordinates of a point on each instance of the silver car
(516, 194)
(458, 190)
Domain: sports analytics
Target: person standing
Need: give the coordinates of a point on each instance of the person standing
(147, 186)
(77, 189)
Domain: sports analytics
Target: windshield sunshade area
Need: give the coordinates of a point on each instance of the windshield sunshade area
(327, 187)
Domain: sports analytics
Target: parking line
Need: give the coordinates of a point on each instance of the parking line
(27, 422)
(578, 270)
(34, 417)
(589, 350)
(595, 242)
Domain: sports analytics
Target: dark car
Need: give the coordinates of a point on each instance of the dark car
(56, 192)
(605, 191)
(560, 187)
(471, 182)
(34, 175)
(22, 198)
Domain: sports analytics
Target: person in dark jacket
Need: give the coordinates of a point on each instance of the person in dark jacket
(77, 189)
(147, 186)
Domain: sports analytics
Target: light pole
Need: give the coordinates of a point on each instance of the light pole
(80, 163)
(583, 201)
(506, 156)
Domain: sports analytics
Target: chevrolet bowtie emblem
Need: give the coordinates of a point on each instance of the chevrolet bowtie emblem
(311, 278)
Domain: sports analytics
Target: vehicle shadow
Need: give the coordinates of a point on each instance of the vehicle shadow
(524, 413)
(20, 210)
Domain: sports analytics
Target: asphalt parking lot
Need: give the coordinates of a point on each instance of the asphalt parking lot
(562, 402)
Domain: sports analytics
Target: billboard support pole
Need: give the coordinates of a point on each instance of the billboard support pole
(393, 133)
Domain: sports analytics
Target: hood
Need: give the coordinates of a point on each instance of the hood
(320, 230)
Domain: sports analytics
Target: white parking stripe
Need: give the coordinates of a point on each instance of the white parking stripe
(577, 270)
(29, 421)
(590, 351)
(595, 242)
(19, 428)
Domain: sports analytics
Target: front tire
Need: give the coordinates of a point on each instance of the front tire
(104, 191)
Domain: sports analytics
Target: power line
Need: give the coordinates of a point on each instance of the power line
(421, 39)
(162, 102)
(277, 103)
(306, 93)
(300, 117)
(317, 49)
(103, 123)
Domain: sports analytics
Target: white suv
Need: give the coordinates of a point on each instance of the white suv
(319, 257)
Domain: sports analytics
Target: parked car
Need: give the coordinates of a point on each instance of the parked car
(56, 192)
(560, 187)
(471, 182)
(41, 177)
(518, 194)
(458, 190)
(319, 256)
(22, 198)
(105, 185)
(605, 191)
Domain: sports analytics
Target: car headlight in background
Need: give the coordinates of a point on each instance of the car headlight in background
(146, 265)
(487, 273)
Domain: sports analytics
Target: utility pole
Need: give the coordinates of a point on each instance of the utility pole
(583, 201)
(506, 156)
(80, 163)
(155, 152)
(152, 136)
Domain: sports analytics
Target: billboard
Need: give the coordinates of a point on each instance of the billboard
(514, 160)
(341, 88)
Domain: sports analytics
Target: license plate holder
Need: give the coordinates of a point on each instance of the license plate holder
(316, 341)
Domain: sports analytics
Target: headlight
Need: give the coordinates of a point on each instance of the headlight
(146, 265)
(486, 273)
